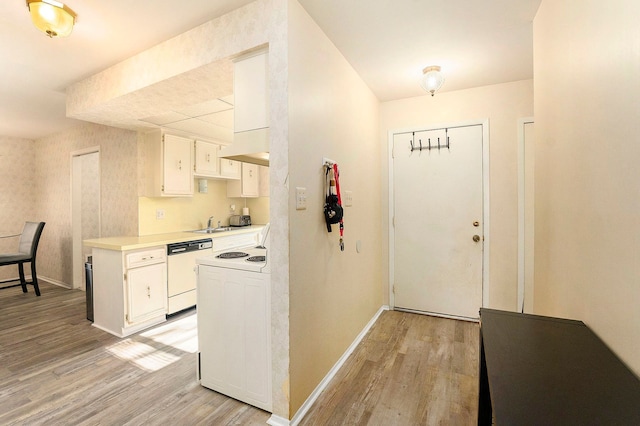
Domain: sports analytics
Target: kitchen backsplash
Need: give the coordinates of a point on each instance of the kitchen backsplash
(187, 213)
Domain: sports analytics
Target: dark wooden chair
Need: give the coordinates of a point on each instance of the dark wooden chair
(27, 249)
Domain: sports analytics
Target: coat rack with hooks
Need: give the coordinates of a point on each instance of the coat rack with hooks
(327, 162)
(429, 146)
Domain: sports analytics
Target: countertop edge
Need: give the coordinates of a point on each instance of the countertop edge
(124, 243)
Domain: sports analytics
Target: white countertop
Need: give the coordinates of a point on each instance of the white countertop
(137, 242)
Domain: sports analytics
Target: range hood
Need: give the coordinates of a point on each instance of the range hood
(251, 111)
(251, 146)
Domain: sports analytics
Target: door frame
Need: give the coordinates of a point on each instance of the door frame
(76, 231)
(525, 248)
(485, 202)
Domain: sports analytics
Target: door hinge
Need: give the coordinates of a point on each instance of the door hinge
(393, 289)
(125, 276)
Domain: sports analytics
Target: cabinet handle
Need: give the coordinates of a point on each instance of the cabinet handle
(149, 292)
(179, 164)
(208, 158)
(250, 173)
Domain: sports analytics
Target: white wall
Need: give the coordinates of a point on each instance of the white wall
(587, 179)
(503, 105)
(333, 294)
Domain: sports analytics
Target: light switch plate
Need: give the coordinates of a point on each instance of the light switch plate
(159, 214)
(301, 198)
(348, 198)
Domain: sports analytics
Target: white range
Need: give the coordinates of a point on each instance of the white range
(234, 321)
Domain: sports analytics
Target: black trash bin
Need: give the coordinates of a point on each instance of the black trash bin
(88, 270)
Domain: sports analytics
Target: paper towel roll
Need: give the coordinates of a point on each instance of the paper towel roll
(245, 211)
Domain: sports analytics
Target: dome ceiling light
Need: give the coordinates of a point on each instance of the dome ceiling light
(431, 79)
(52, 17)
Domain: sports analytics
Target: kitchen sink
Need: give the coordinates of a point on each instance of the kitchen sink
(212, 230)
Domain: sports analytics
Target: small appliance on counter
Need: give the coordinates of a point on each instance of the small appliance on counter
(240, 220)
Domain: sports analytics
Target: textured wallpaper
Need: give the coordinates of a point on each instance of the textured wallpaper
(17, 195)
(102, 97)
(52, 191)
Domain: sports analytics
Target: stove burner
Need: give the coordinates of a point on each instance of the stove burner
(257, 259)
(232, 255)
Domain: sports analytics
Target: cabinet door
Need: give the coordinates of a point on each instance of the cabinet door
(177, 165)
(229, 168)
(207, 163)
(247, 186)
(251, 95)
(147, 292)
(263, 181)
(250, 177)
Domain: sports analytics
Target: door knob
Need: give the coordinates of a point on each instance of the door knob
(476, 238)
(476, 223)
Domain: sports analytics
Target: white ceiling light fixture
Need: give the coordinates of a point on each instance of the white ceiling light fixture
(432, 79)
(53, 18)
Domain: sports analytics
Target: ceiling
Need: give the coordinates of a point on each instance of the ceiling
(476, 42)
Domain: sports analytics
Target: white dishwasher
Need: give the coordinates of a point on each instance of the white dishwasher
(181, 272)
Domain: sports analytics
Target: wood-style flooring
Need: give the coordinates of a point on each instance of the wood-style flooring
(409, 370)
(56, 369)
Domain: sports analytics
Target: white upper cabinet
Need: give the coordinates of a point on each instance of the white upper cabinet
(248, 185)
(229, 169)
(168, 165)
(209, 165)
(251, 94)
(207, 162)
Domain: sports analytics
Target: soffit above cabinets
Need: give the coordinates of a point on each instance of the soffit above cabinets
(210, 119)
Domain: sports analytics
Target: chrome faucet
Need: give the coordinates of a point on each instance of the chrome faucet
(209, 222)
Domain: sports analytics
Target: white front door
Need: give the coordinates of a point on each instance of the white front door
(438, 216)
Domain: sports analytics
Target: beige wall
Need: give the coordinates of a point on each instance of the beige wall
(333, 294)
(185, 213)
(17, 194)
(503, 105)
(52, 174)
(587, 179)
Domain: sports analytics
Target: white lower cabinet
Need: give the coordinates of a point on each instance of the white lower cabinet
(234, 333)
(146, 292)
(129, 289)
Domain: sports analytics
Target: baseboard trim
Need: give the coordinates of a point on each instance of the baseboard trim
(54, 282)
(302, 411)
(277, 421)
(29, 278)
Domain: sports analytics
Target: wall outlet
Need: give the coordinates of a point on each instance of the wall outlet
(348, 198)
(159, 214)
(301, 198)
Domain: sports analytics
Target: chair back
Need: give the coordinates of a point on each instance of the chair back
(30, 237)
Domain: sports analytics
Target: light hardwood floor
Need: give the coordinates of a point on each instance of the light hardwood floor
(56, 369)
(409, 370)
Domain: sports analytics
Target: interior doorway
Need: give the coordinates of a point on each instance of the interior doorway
(439, 219)
(85, 207)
